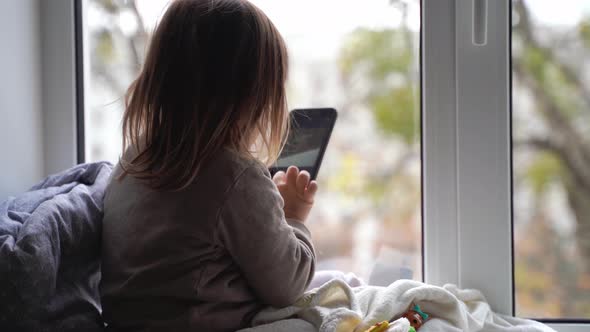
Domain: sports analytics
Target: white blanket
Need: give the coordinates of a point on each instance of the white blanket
(336, 307)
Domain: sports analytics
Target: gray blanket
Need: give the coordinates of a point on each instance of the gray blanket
(50, 253)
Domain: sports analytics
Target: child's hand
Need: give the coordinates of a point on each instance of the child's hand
(298, 192)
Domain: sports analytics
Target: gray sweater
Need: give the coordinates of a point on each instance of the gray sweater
(206, 258)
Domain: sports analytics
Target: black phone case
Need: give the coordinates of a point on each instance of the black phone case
(326, 113)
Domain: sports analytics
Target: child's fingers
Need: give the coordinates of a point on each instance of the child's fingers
(312, 189)
(279, 177)
(302, 182)
(291, 177)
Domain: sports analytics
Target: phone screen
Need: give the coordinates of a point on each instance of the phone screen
(303, 148)
(307, 141)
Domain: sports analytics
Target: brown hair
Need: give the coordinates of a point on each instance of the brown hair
(213, 78)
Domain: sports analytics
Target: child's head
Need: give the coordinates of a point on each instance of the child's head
(213, 78)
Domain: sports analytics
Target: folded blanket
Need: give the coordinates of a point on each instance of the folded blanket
(50, 253)
(336, 306)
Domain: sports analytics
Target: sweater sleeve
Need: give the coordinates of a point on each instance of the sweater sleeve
(275, 255)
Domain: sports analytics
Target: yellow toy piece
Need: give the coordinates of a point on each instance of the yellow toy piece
(379, 327)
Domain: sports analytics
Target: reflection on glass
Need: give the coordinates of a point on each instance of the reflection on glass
(551, 146)
(361, 59)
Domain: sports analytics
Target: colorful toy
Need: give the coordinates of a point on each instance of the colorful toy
(415, 316)
(379, 327)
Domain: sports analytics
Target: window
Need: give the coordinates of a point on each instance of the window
(482, 163)
(364, 61)
(551, 158)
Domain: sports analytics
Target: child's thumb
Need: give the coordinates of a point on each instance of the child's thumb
(279, 177)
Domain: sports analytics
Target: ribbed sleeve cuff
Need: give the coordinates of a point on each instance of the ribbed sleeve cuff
(299, 226)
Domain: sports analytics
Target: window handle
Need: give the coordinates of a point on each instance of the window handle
(480, 22)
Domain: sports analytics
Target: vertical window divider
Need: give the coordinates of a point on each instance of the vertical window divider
(483, 154)
(441, 264)
(80, 83)
(467, 192)
(58, 84)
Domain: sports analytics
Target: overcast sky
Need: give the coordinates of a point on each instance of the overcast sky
(302, 16)
(317, 27)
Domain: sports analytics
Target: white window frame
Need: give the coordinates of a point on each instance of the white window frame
(59, 84)
(467, 155)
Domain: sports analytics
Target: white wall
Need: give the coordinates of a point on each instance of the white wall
(21, 124)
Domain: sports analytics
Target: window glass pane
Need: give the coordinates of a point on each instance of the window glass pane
(551, 157)
(360, 58)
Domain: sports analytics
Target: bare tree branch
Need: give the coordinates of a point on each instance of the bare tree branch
(574, 151)
(537, 143)
(571, 75)
(140, 37)
(562, 138)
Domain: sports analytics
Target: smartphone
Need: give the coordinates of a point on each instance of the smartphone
(308, 138)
